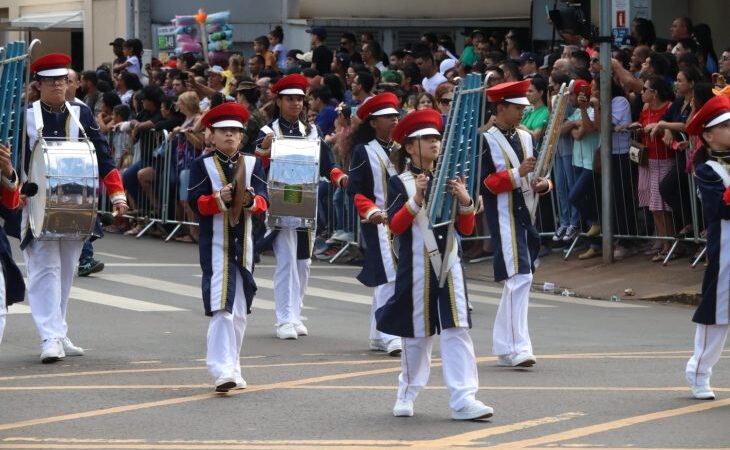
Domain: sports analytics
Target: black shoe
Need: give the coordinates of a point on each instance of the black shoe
(89, 266)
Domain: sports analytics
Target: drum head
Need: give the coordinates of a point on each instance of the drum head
(37, 203)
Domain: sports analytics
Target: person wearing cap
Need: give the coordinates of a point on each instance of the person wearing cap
(370, 169)
(528, 64)
(51, 265)
(321, 55)
(12, 285)
(712, 176)
(226, 250)
(509, 193)
(419, 308)
(292, 246)
(117, 47)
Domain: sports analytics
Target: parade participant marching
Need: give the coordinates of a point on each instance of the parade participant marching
(226, 250)
(506, 162)
(12, 286)
(712, 175)
(51, 264)
(370, 169)
(419, 308)
(292, 246)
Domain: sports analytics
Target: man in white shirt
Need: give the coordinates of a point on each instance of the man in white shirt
(431, 76)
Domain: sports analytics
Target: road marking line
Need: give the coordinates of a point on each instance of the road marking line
(581, 432)
(112, 255)
(326, 293)
(116, 301)
(17, 308)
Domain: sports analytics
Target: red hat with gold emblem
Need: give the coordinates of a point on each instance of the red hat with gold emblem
(51, 65)
(714, 112)
(380, 105)
(510, 92)
(294, 84)
(426, 122)
(579, 84)
(227, 115)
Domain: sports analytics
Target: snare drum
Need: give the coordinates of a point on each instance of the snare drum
(66, 204)
(293, 183)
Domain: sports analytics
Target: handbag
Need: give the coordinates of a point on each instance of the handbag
(638, 152)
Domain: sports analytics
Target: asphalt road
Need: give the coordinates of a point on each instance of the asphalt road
(608, 374)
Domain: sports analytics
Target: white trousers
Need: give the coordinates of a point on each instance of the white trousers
(381, 294)
(291, 277)
(51, 266)
(225, 337)
(3, 306)
(510, 334)
(459, 366)
(709, 342)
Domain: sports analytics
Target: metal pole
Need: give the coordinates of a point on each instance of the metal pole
(606, 128)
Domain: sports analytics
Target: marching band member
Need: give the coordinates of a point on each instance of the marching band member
(506, 162)
(419, 308)
(51, 264)
(12, 286)
(712, 124)
(292, 246)
(226, 252)
(370, 169)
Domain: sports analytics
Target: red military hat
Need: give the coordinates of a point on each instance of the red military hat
(426, 122)
(227, 115)
(294, 84)
(380, 105)
(51, 65)
(511, 92)
(714, 112)
(578, 85)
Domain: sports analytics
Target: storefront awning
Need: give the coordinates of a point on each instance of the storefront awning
(52, 20)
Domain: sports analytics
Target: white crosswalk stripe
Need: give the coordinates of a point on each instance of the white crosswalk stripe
(325, 293)
(116, 301)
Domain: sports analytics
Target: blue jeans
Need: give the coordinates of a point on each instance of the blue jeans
(583, 195)
(131, 182)
(564, 181)
(323, 207)
(87, 251)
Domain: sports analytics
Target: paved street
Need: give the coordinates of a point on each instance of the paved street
(608, 374)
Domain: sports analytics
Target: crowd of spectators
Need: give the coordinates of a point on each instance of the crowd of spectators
(656, 86)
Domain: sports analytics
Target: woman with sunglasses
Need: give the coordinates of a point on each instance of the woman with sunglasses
(444, 97)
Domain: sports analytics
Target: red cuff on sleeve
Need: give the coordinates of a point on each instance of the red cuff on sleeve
(10, 197)
(335, 175)
(259, 205)
(402, 220)
(726, 196)
(499, 182)
(208, 205)
(113, 183)
(364, 205)
(465, 223)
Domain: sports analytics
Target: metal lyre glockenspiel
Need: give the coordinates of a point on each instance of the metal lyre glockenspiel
(459, 157)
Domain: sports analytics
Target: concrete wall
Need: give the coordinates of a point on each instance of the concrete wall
(472, 9)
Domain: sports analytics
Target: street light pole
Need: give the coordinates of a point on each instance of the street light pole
(606, 128)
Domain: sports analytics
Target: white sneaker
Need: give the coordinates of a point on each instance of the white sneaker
(524, 359)
(403, 408)
(286, 331)
(240, 383)
(377, 345)
(394, 347)
(70, 349)
(301, 329)
(703, 392)
(340, 236)
(52, 351)
(504, 360)
(559, 233)
(225, 383)
(473, 411)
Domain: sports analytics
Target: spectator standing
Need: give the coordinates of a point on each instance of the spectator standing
(432, 78)
(565, 172)
(371, 56)
(92, 99)
(348, 44)
(536, 115)
(321, 55)
(276, 41)
(681, 28)
(261, 47)
(187, 143)
(118, 49)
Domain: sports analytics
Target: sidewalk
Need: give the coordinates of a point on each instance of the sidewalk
(592, 279)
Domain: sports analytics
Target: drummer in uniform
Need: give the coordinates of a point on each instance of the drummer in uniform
(51, 264)
(226, 250)
(12, 286)
(370, 169)
(712, 175)
(292, 246)
(507, 160)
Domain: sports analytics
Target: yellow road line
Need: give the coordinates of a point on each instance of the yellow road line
(581, 432)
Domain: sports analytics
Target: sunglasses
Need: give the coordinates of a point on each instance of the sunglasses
(446, 101)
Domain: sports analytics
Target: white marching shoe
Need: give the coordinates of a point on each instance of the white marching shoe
(403, 408)
(524, 359)
(301, 329)
(703, 392)
(394, 347)
(473, 411)
(225, 383)
(70, 349)
(286, 331)
(52, 351)
(240, 383)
